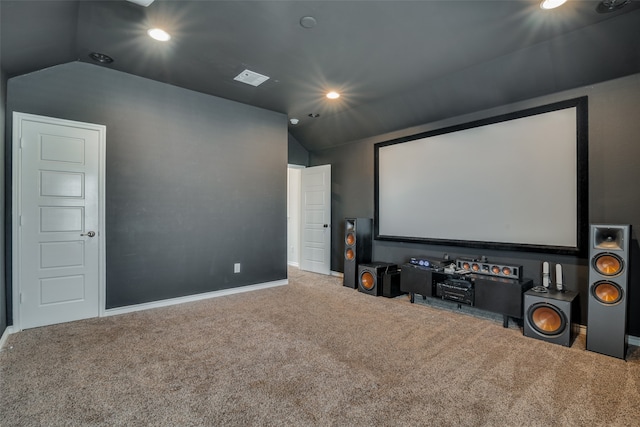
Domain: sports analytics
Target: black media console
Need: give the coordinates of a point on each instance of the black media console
(495, 294)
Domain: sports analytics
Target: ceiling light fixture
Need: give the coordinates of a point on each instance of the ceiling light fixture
(101, 58)
(294, 121)
(333, 95)
(606, 6)
(313, 115)
(158, 34)
(551, 4)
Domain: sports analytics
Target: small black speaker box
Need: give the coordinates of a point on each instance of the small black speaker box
(391, 284)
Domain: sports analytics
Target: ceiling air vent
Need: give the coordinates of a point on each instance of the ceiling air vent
(251, 78)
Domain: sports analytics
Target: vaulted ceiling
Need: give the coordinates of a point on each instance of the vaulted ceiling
(396, 63)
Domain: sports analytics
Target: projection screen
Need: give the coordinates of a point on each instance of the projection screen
(517, 181)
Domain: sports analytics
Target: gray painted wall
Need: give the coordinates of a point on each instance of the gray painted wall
(613, 178)
(298, 155)
(194, 183)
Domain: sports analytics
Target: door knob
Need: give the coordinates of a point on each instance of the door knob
(90, 234)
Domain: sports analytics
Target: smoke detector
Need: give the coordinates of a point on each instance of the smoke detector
(251, 78)
(607, 6)
(144, 3)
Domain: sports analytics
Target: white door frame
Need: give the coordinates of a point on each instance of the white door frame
(16, 160)
(293, 211)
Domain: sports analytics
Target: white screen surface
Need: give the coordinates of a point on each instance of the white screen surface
(512, 182)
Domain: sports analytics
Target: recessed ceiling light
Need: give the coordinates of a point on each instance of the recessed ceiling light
(551, 4)
(158, 34)
(101, 58)
(333, 95)
(294, 121)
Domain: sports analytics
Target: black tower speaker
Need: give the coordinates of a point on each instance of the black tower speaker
(372, 278)
(552, 316)
(357, 247)
(608, 281)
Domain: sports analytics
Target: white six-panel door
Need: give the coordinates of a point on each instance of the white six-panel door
(316, 219)
(58, 220)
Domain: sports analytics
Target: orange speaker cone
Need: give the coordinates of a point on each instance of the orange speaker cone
(367, 281)
(506, 271)
(350, 239)
(475, 267)
(546, 319)
(495, 269)
(349, 254)
(466, 266)
(608, 264)
(607, 292)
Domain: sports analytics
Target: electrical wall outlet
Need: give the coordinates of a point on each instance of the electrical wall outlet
(236, 267)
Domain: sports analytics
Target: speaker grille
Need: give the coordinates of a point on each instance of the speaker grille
(606, 292)
(608, 264)
(547, 319)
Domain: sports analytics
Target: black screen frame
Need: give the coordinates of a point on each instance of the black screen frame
(582, 181)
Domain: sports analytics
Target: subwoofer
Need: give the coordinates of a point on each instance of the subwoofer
(372, 278)
(357, 247)
(608, 281)
(552, 316)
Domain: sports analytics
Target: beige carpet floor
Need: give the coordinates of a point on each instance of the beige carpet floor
(312, 353)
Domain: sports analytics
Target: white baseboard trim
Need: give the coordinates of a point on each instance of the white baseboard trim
(5, 335)
(193, 298)
(293, 264)
(336, 273)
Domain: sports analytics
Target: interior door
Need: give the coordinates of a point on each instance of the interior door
(57, 219)
(316, 219)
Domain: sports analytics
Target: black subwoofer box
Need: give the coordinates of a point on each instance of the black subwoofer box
(372, 278)
(552, 316)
